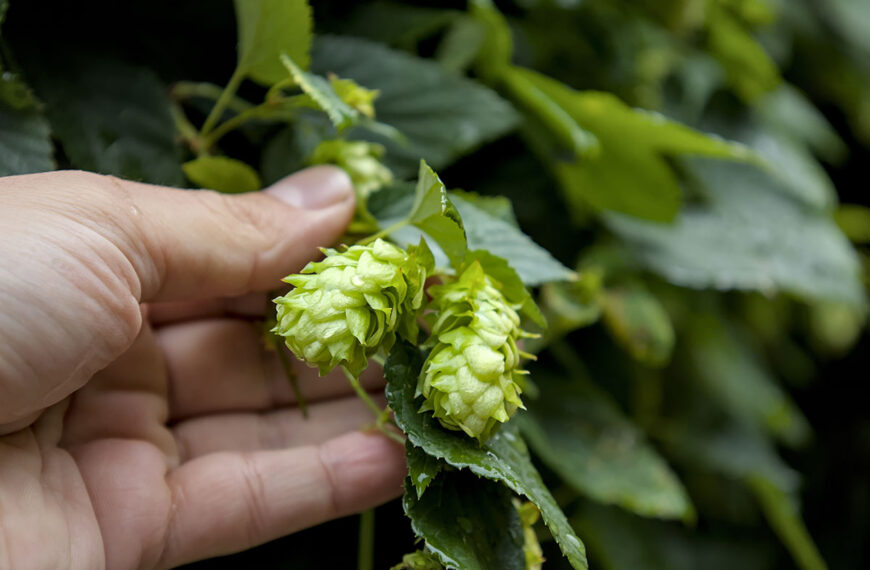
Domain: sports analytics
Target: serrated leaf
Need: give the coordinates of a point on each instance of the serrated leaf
(503, 458)
(111, 117)
(639, 322)
(468, 522)
(580, 433)
(25, 136)
(422, 468)
(268, 28)
(533, 263)
(629, 173)
(223, 174)
(323, 94)
(435, 214)
(727, 241)
(442, 115)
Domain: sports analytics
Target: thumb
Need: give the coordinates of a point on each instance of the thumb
(186, 244)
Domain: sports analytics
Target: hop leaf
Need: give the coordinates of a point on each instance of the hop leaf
(352, 304)
(471, 380)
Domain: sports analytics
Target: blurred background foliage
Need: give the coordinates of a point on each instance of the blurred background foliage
(699, 388)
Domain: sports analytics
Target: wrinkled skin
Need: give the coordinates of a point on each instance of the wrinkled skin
(142, 423)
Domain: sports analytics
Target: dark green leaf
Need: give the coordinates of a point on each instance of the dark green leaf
(728, 241)
(533, 263)
(111, 117)
(469, 522)
(444, 116)
(503, 458)
(422, 468)
(268, 28)
(621, 541)
(580, 433)
(223, 174)
(727, 367)
(498, 207)
(435, 214)
(854, 220)
(629, 173)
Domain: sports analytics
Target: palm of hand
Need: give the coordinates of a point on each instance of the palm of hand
(179, 438)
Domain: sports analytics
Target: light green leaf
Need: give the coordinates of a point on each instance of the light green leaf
(639, 322)
(223, 174)
(469, 522)
(25, 137)
(435, 214)
(727, 240)
(422, 468)
(580, 433)
(533, 263)
(444, 116)
(629, 174)
(268, 28)
(111, 117)
(503, 458)
(323, 94)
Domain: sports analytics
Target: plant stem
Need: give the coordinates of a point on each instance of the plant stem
(291, 377)
(384, 232)
(366, 552)
(382, 417)
(222, 102)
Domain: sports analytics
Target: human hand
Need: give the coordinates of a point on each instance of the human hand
(148, 435)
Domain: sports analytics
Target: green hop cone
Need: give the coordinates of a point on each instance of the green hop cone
(361, 160)
(471, 380)
(352, 304)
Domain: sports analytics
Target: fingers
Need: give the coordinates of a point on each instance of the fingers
(249, 306)
(203, 244)
(222, 365)
(227, 502)
(278, 429)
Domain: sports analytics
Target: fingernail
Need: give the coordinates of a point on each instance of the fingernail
(313, 188)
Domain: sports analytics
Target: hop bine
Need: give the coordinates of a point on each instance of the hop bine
(352, 304)
(471, 380)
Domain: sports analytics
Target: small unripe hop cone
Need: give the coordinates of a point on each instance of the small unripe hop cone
(345, 308)
(471, 380)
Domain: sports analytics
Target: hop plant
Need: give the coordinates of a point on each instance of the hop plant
(471, 380)
(361, 160)
(352, 304)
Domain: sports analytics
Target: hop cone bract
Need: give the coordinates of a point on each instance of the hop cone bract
(471, 380)
(351, 304)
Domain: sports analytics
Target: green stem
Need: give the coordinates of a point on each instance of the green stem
(234, 123)
(382, 417)
(291, 377)
(189, 89)
(366, 552)
(222, 102)
(187, 131)
(384, 232)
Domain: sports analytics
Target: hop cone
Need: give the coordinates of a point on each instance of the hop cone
(361, 160)
(471, 379)
(346, 307)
